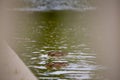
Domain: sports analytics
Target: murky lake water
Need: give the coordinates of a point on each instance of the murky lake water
(66, 32)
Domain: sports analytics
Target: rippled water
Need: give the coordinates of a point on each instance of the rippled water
(39, 33)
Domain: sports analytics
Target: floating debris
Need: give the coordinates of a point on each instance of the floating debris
(57, 54)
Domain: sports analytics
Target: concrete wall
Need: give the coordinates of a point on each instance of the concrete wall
(105, 36)
(11, 66)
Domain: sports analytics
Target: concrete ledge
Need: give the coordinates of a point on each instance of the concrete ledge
(11, 66)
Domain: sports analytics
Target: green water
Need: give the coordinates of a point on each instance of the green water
(38, 33)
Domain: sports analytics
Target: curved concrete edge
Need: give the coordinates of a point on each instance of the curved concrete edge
(12, 67)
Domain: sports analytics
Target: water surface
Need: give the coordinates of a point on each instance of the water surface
(38, 33)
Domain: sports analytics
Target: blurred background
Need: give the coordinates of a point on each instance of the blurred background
(81, 34)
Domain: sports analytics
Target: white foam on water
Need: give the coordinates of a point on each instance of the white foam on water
(57, 8)
(35, 52)
(68, 72)
(81, 69)
(39, 67)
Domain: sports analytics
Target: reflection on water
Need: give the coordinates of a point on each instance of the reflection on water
(55, 45)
